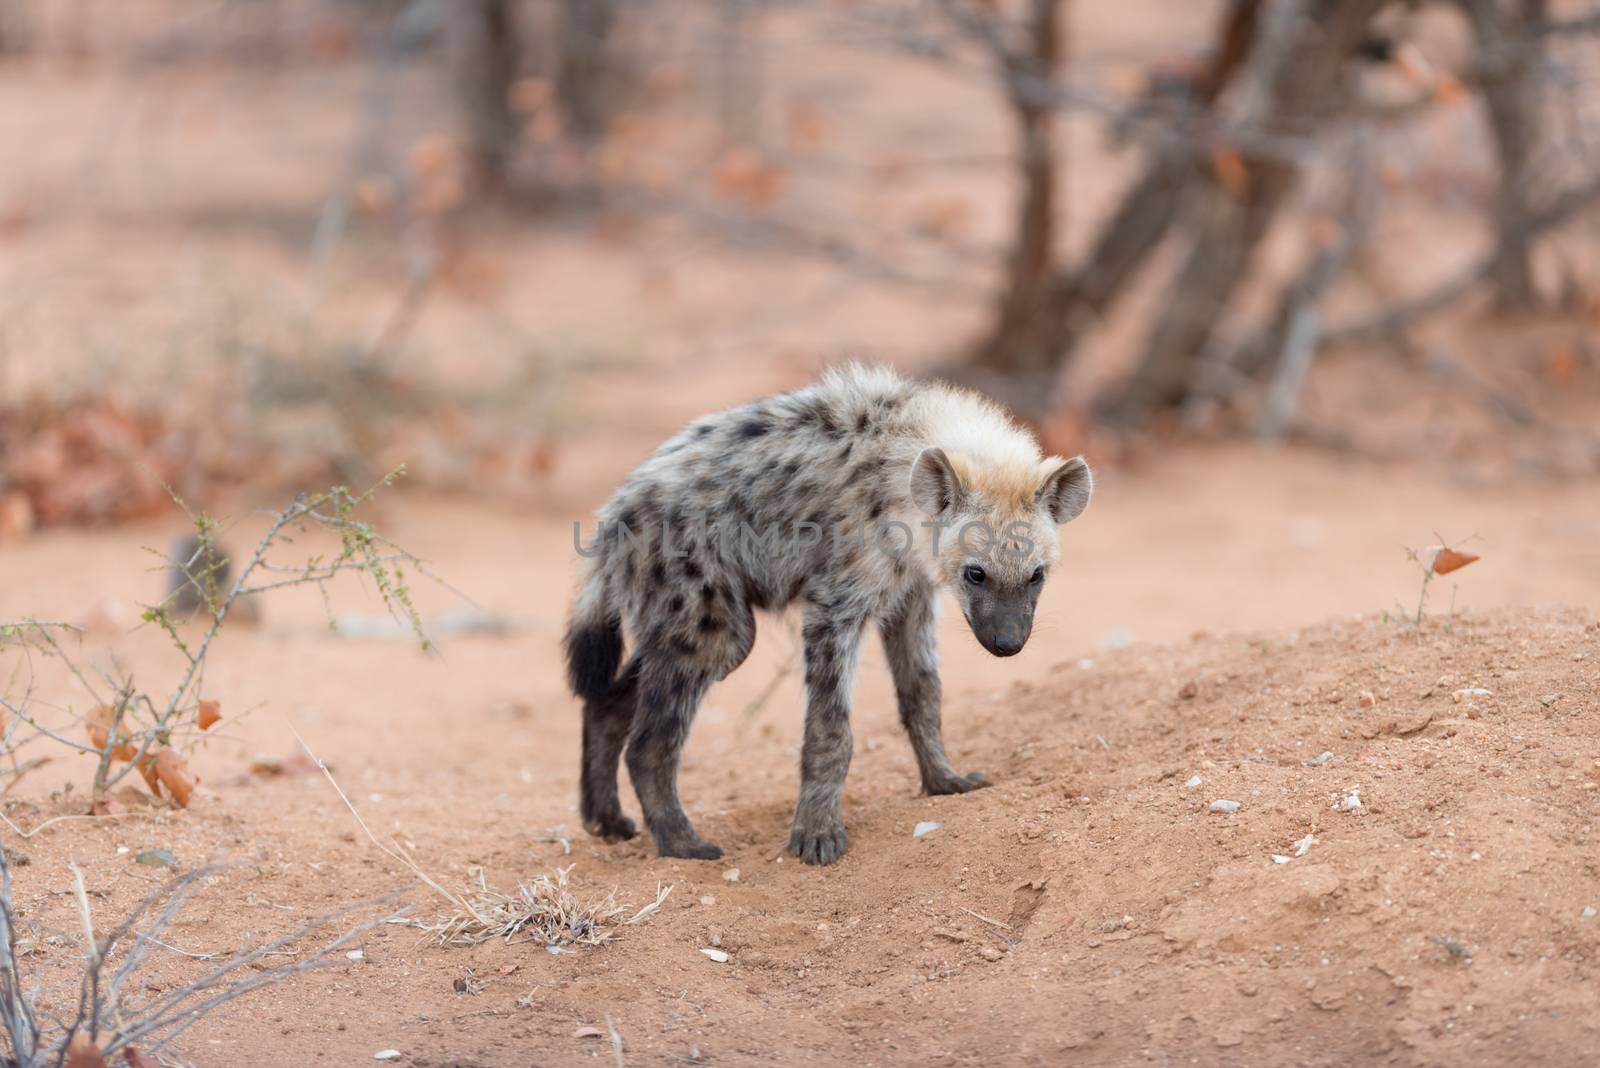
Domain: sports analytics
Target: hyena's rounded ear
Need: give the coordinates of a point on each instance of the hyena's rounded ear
(935, 488)
(1066, 488)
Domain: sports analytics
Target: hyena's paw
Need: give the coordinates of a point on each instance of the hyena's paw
(611, 828)
(822, 844)
(954, 783)
(695, 848)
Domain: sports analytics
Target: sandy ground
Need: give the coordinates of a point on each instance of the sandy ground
(1222, 612)
(1162, 932)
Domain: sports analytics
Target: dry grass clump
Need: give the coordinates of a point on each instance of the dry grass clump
(543, 911)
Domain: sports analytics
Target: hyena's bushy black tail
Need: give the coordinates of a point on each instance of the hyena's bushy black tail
(594, 643)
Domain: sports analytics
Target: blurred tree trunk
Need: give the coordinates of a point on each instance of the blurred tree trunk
(1040, 319)
(1014, 343)
(486, 58)
(1511, 55)
(584, 74)
(1295, 81)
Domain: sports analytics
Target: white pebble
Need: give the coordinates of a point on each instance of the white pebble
(1588, 912)
(386, 1055)
(1279, 858)
(925, 827)
(1320, 759)
(717, 955)
(1225, 806)
(731, 875)
(1304, 845)
(708, 900)
(1349, 804)
(355, 954)
(1193, 781)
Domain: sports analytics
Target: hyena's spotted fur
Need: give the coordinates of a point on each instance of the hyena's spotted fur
(855, 454)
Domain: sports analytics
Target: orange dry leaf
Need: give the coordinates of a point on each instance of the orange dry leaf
(746, 178)
(147, 768)
(1561, 363)
(296, 763)
(1447, 560)
(135, 1059)
(172, 768)
(83, 1053)
(210, 712)
(1448, 91)
(98, 726)
(1230, 169)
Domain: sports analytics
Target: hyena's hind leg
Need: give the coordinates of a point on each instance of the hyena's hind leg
(908, 639)
(670, 690)
(606, 724)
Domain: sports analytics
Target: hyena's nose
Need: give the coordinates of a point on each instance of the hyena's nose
(1009, 644)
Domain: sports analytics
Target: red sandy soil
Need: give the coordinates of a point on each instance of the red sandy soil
(1089, 908)
(1163, 932)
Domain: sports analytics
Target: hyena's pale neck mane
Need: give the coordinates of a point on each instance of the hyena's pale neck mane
(998, 461)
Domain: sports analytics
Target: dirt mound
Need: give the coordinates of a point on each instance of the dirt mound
(1090, 908)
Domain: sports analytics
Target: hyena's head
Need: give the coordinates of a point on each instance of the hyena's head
(997, 536)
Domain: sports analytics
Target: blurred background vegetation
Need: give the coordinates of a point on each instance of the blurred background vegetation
(250, 245)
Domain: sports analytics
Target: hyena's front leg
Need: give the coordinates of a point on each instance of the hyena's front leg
(831, 645)
(908, 639)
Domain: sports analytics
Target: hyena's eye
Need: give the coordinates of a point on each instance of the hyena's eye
(1037, 576)
(974, 575)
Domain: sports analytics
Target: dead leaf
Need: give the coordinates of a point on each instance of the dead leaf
(98, 726)
(1449, 91)
(135, 1059)
(295, 764)
(807, 129)
(83, 1053)
(745, 178)
(1561, 364)
(431, 156)
(147, 768)
(210, 712)
(172, 768)
(1325, 232)
(1230, 169)
(1447, 560)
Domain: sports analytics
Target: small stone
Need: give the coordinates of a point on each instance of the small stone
(156, 858)
(1469, 693)
(1549, 699)
(1225, 806)
(386, 1055)
(925, 827)
(1350, 803)
(731, 875)
(1588, 913)
(720, 956)
(355, 955)
(553, 950)
(1320, 759)
(1193, 781)
(1190, 691)
(708, 900)
(1365, 699)
(990, 953)
(1279, 858)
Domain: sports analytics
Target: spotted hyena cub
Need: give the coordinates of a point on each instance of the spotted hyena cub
(858, 497)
